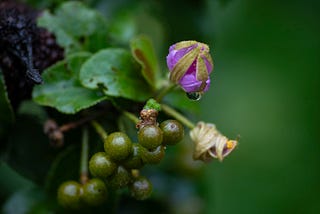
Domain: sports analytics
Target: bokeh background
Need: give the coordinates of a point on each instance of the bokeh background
(265, 88)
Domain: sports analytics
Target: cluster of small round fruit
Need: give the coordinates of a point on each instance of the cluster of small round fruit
(117, 167)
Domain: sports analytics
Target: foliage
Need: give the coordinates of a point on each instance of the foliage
(264, 87)
(99, 78)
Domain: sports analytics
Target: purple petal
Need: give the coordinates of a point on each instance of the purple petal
(190, 84)
(189, 81)
(175, 55)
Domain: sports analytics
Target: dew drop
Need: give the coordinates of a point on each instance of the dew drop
(194, 96)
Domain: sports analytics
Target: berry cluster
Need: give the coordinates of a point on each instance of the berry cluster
(121, 156)
(118, 166)
(72, 194)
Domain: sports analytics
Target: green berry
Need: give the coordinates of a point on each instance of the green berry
(173, 132)
(100, 165)
(94, 192)
(141, 188)
(150, 136)
(153, 157)
(118, 146)
(69, 195)
(121, 178)
(135, 159)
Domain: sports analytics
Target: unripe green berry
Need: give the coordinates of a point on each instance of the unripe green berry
(141, 188)
(173, 132)
(100, 165)
(118, 146)
(94, 192)
(150, 136)
(153, 157)
(69, 195)
(121, 178)
(134, 161)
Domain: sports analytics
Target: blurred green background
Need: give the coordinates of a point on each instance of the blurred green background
(264, 88)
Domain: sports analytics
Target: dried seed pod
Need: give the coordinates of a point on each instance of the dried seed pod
(210, 143)
(54, 133)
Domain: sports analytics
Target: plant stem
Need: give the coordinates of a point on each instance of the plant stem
(165, 91)
(99, 129)
(131, 116)
(84, 156)
(170, 111)
(75, 124)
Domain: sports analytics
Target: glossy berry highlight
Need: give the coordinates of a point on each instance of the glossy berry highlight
(134, 161)
(154, 156)
(173, 132)
(150, 136)
(69, 195)
(101, 165)
(94, 192)
(121, 178)
(118, 146)
(141, 188)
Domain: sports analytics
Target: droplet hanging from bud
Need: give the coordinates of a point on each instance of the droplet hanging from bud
(194, 96)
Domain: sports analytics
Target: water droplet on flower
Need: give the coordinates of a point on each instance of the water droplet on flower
(194, 95)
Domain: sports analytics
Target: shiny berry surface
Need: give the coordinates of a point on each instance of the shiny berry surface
(69, 195)
(94, 192)
(150, 136)
(118, 146)
(121, 178)
(173, 132)
(101, 165)
(141, 188)
(154, 156)
(134, 161)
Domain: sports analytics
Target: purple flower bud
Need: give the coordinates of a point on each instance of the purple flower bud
(190, 64)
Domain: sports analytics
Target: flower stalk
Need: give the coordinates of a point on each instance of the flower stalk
(84, 156)
(170, 111)
(99, 129)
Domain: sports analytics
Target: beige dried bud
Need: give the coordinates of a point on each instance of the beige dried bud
(209, 143)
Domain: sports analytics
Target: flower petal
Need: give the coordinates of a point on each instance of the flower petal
(190, 64)
(175, 55)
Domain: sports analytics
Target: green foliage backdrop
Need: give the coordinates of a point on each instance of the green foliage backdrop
(265, 88)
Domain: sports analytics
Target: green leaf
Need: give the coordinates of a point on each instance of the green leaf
(22, 201)
(29, 107)
(114, 71)
(68, 158)
(6, 112)
(76, 27)
(62, 89)
(143, 51)
(123, 27)
(28, 151)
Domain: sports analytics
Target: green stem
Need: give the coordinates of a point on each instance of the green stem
(170, 111)
(165, 91)
(99, 129)
(84, 156)
(131, 116)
